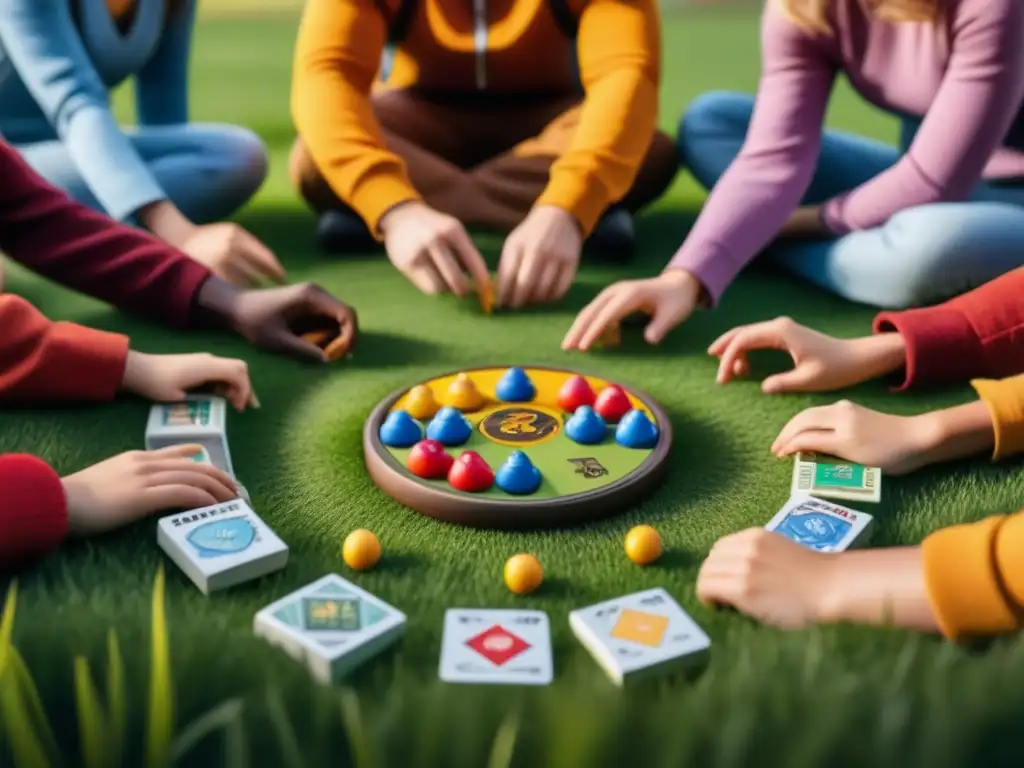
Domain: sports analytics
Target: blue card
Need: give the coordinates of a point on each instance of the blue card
(821, 525)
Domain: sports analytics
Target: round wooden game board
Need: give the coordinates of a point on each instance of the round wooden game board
(580, 482)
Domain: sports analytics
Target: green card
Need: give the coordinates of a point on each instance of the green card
(332, 614)
(838, 475)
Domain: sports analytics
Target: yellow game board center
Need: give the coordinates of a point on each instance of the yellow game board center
(523, 574)
(463, 394)
(361, 550)
(643, 545)
(640, 627)
(421, 403)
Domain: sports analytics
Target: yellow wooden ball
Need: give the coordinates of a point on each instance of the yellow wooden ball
(643, 545)
(523, 574)
(361, 550)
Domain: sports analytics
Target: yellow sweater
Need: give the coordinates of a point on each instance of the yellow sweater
(337, 58)
(975, 572)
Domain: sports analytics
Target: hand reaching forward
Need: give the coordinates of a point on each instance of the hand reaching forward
(136, 484)
(821, 363)
(768, 577)
(169, 378)
(669, 299)
(433, 250)
(233, 254)
(895, 444)
(539, 258)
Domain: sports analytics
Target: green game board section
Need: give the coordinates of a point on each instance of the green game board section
(559, 477)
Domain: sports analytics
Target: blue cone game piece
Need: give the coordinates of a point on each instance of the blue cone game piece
(449, 427)
(586, 427)
(636, 430)
(518, 475)
(515, 387)
(400, 430)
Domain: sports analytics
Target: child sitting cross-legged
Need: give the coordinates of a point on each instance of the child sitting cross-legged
(47, 362)
(963, 580)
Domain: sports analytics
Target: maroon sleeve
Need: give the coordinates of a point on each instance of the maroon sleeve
(977, 335)
(33, 510)
(52, 235)
(41, 361)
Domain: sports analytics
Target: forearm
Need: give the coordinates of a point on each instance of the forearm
(879, 355)
(956, 433)
(878, 586)
(164, 220)
(617, 124)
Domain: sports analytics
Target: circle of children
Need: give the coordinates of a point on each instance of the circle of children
(479, 123)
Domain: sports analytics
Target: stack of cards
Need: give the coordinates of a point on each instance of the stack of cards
(220, 546)
(640, 634)
(816, 474)
(821, 525)
(497, 647)
(331, 625)
(199, 419)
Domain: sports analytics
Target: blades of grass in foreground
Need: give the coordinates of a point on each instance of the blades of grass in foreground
(359, 741)
(161, 698)
(92, 725)
(227, 717)
(34, 703)
(117, 721)
(505, 742)
(291, 755)
(7, 626)
(26, 747)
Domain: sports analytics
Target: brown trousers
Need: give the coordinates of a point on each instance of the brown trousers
(484, 161)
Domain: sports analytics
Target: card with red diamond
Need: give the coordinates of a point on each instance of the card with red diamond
(499, 647)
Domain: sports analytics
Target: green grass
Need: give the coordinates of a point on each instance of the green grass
(832, 696)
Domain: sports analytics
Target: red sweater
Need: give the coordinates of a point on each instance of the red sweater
(977, 335)
(46, 231)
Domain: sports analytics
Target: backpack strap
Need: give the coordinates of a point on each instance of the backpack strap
(564, 18)
(399, 21)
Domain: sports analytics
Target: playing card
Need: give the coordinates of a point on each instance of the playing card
(505, 647)
(817, 474)
(332, 625)
(199, 419)
(220, 546)
(639, 634)
(821, 525)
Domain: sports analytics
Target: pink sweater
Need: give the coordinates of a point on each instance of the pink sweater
(965, 76)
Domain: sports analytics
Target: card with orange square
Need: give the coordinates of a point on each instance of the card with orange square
(640, 634)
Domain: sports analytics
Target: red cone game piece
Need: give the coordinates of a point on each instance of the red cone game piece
(470, 473)
(575, 393)
(428, 459)
(612, 403)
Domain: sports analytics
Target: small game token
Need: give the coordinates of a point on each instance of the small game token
(821, 525)
(612, 403)
(827, 477)
(463, 394)
(515, 387)
(611, 337)
(576, 392)
(485, 291)
(335, 342)
(428, 459)
(636, 430)
(449, 427)
(643, 545)
(637, 635)
(523, 574)
(332, 626)
(470, 473)
(420, 403)
(400, 430)
(586, 427)
(518, 475)
(361, 550)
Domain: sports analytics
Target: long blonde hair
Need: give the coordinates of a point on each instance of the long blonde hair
(812, 15)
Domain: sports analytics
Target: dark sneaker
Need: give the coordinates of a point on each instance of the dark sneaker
(614, 237)
(340, 232)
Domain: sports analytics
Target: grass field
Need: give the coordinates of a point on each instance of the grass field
(836, 696)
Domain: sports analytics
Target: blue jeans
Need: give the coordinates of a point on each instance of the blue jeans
(207, 171)
(920, 256)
